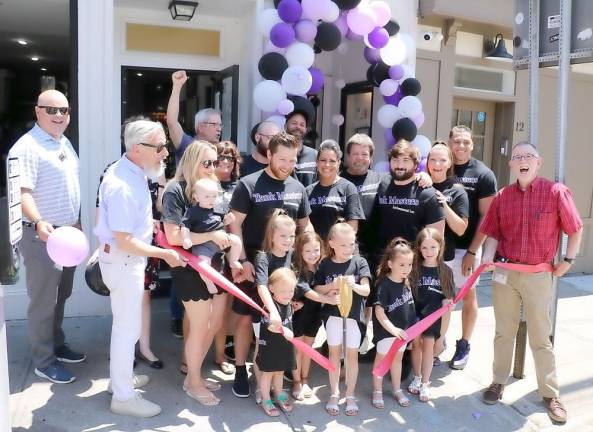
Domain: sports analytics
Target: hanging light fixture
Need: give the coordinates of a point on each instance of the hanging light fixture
(182, 10)
(496, 50)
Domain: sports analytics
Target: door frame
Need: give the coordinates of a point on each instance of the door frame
(217, 79)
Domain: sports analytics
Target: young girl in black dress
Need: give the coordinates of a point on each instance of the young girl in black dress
(393, 313)
(308, 251)
(342, 261)
(433, 287)
(276, 354)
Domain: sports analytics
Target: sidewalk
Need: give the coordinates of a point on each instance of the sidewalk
(37, 405)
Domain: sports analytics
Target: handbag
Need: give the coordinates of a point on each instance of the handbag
(93, 277)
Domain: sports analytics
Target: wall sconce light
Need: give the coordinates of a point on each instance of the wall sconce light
(182, 10)
(496, 50)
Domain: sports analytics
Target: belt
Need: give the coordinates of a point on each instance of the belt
(32, 225)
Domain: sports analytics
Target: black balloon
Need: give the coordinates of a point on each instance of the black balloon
(272, 65)
(346, 4)
(392, 28)
(304, 106)
(410, 87)
(328, 36)
(377, 72)
(316, 49)
(404, 128)
(315, 100)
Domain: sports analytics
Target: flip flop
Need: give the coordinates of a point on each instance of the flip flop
(206, 400)
(332, 408)
(283, 402)
(210, 385)
(377, 399)
(351, 406)
(269, 408)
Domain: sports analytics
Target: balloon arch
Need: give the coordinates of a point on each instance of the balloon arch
(298, 29)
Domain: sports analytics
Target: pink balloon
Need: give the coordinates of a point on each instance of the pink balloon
(418, 119)
(305, 31)
(382, 12)
(67, 246)
(361, 20)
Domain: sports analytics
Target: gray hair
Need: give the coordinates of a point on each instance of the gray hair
(525, 143)
(265, 124)
(360, 139)
(203, 115)
(330, 144)
(140, 131)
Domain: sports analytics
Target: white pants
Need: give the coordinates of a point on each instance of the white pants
(384, 345)
(455, 265)
(124, 276)
(335, 332)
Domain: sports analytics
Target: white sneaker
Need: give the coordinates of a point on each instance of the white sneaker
(136, 407)
(139, 381)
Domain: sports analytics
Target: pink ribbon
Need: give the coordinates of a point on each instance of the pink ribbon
(417, 329)
(207, 271)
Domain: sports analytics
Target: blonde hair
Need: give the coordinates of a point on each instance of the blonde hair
(277, 218)
(284, 276)
(187, 169)
(340, 227)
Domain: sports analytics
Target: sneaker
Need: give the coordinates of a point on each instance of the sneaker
(493, 393)
(229, 348)
(138, 380)
(177, 327)
(136, 407)
(241, 383)
(56, 373)
(461, 356)
(67, 355)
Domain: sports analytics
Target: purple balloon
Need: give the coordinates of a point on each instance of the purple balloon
(378, 38)
(389, 139)
(421, 165)
(282, 35)
(305, 31)
(353, 36)
(372, 55)
(418, 119)
(393, 99)
(317, 85)
(290, 11)
(342, 24)
(285, 107)
(396, 72)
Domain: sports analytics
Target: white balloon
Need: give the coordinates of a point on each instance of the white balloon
(408, 73)
(394, 52)
(388, 115)
(340, 84)
(268, 94)
(278, 119)
(423, 144)
(388, 87)
(338, 119)
(408, 41)
(409, 106)
(332, 12)
(296, 80)
(300, 54)
(266, 20)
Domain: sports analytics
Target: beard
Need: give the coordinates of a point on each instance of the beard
(280, 175)
(297, 133)
(402, 175)
(261, 148)
(154, 172)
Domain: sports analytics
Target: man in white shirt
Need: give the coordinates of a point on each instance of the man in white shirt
(125, 231)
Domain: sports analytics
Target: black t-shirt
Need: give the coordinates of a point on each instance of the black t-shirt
(328, 270)
(403, 210)
(305, 169)
(228, 187)
(303, 286)
(266, 263)
(430, 294)
(458, 201)
(258, 194)
(367, 185)
(175, 203)
(330, 202)
(275, 353)
(479, 182)
(202, 220)
(249, 165)
(398, 303)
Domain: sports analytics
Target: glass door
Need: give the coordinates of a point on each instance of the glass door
(479, 117)
(225, 98)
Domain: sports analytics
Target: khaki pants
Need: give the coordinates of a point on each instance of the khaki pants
(535, 290)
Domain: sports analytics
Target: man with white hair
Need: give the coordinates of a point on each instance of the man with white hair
(125, 230)
(208, 121)
(50, 197)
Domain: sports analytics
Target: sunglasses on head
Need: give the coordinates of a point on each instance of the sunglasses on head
(159, 147)
(209, 163)
(51, 110)
(228, 158)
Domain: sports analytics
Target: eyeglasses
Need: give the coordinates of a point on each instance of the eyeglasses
(51, 110)
(227, 158)
(214, 124)
(209, 163)
(526, 157)
(159, 147)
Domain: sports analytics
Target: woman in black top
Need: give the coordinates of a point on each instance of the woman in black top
(204, 311)
(332, 197)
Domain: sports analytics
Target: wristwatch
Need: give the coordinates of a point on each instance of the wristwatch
(35, 222)
(470, 252)
(568, 260)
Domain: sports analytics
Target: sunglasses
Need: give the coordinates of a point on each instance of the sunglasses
(51, 110)
(209, 163)
(227, 158)
(159, 147)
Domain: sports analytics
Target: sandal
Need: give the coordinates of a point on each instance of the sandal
(377, 399)
(183, 368)
(332, 408)
(414, 387)
(351, 406)
(258, 396)
(424, 394)
(297, 390)
(283, 402)
(401, 398)
(307, 391)
(210, 385)
(206, 400)
(269, 408)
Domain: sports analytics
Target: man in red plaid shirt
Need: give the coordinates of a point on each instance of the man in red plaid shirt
(523, 226)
